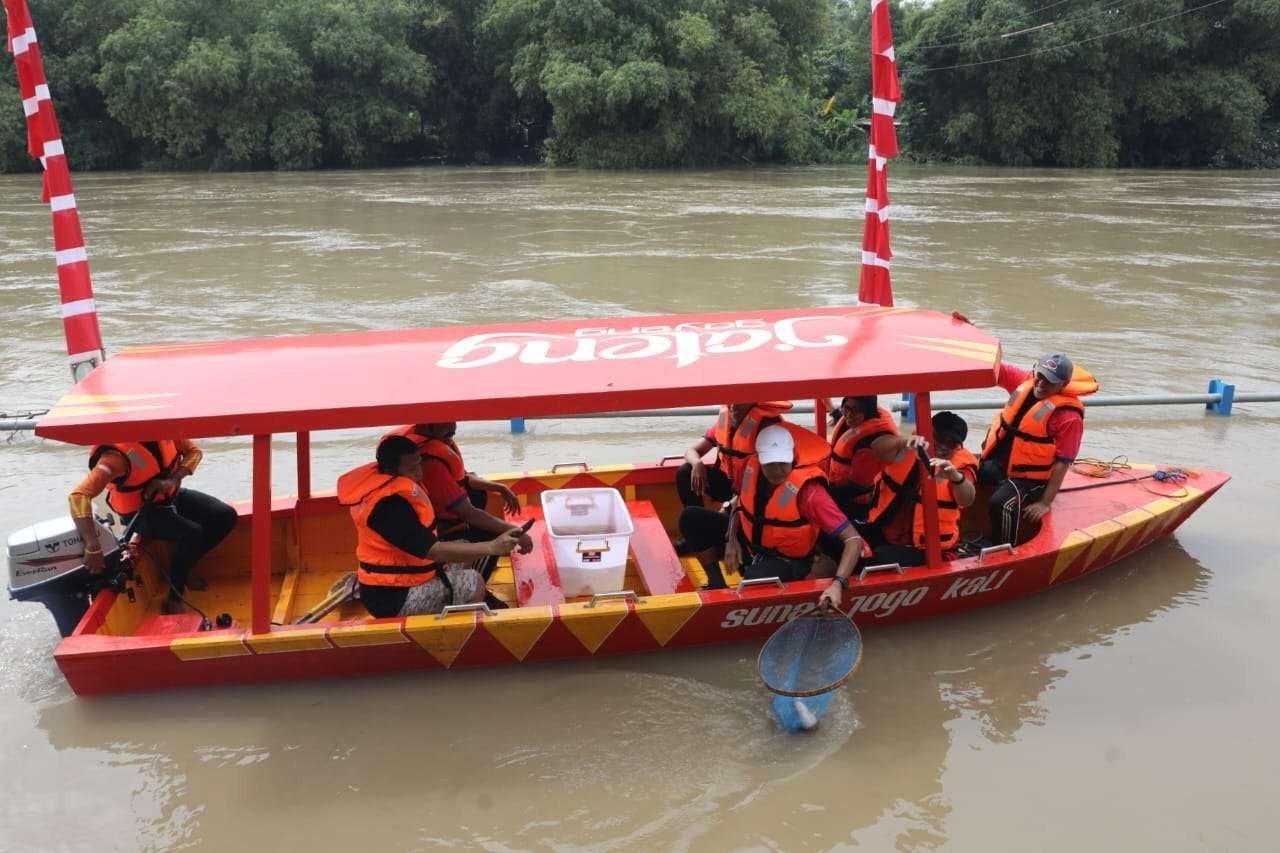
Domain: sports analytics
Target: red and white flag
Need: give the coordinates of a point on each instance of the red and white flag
(44, 142)
(875, 286)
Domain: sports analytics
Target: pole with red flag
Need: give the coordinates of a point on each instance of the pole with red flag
(44, 142)
(875, 286)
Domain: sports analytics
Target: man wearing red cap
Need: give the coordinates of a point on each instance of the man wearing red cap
(1032, 442)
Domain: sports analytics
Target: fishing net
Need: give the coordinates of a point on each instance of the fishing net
(810, 655)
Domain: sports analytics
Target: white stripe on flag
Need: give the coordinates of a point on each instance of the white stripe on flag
(883, 107)
(62, 202)
(871, 259)
(881, 162)
(71, 256)
(53, 148)
(31, 106)
(875, 3)
(80, 306)
(22, 42)
(89, 355)
(873, 206)
(888, 54)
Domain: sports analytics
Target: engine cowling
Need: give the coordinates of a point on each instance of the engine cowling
(46, 565)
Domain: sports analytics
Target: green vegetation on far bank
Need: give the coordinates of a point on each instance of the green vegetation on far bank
(297, 84)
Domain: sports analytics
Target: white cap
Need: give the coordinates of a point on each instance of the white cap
(775, 444)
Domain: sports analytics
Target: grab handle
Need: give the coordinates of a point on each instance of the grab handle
(605, 596)
(464, 608)
(607, 547)
(773, 581)
(583, 465)
(883, 567)
(664, 460)
(995, 549)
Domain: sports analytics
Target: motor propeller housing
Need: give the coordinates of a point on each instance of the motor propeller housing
(46, 565)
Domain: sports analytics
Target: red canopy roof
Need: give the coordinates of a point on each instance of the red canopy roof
(361, 379)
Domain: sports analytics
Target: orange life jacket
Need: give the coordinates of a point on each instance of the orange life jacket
(845, 442)
(736, 444)
(778, 526)
(380, 562)
(447, 452)
(900, 487)
(1022, 429)
(144, 461)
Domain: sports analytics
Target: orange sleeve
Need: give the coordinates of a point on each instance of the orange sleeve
(189, 455)
(110, 466)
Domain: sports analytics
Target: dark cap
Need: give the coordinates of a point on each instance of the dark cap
(950, 425)
(1055, 367)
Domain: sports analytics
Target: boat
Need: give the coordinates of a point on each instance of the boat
(287, 552)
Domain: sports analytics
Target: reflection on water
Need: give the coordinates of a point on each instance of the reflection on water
(979, 731)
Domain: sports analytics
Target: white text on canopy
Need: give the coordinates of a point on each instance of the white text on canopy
(686, 343)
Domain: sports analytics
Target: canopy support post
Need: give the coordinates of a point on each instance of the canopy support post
(820, 416)
(304, 465)
(924, 427)
(260, 541)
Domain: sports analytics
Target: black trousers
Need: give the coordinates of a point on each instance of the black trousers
(1006, 503)
(719, 487)
(474, 534)
(705, 529)
(194, 522)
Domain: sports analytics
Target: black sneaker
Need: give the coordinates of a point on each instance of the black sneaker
(494, 602)
(683, 548)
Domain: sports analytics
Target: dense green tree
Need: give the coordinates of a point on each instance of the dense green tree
(631, 83)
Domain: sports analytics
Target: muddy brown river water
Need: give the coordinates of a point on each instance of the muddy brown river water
(1131, 710)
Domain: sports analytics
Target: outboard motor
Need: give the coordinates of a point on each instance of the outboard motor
(46, 564)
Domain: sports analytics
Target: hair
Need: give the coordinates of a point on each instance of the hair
(869, 406)
(950, 424)
(391, 449)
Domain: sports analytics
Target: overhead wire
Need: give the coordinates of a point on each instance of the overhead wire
(1085, 13)
(1039, 51)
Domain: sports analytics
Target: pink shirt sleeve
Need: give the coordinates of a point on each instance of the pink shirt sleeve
(1011, 377)
(1067, 428)
(441, 487)
(816, 505)
(710, 435)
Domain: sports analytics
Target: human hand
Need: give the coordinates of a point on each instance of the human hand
(161, 487)
(505, 543)
(95, 561)
(942, 468)
(510, 503)
(831, 597)
(733, 555)
(1035, 511)
(698, 478)
(911, 442)
(526, 543)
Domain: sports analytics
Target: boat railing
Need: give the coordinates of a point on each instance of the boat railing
(1219, 399)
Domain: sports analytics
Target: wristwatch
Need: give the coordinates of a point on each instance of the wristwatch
(844, 582)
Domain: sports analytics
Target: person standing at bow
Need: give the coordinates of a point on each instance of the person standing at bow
(144, 479)
(1031, 443)
(405, 569)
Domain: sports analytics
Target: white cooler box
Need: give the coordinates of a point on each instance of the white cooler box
(590, 531)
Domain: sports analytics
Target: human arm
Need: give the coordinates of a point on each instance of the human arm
(1038, 509)
(394, 520)
(851, 549)
(698, 476)
(111, 465)
(189, 457)
(510, 503)
(482, 520)
(1010, 377)
(887, 448)
(732, 547)
(962, 481)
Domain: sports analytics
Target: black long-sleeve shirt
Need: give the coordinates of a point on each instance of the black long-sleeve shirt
(394, 519)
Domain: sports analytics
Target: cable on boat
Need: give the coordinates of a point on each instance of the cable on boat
(1089, 467)
(205, 623)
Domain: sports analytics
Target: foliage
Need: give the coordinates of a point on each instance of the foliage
(637, 83)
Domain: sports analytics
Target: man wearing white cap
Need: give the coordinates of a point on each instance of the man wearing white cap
(782, 507)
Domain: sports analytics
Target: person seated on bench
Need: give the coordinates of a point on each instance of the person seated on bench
(457, 495)
(405, 569)
(734, 435)
(896, 529)
(784, 505)
(862, 435)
